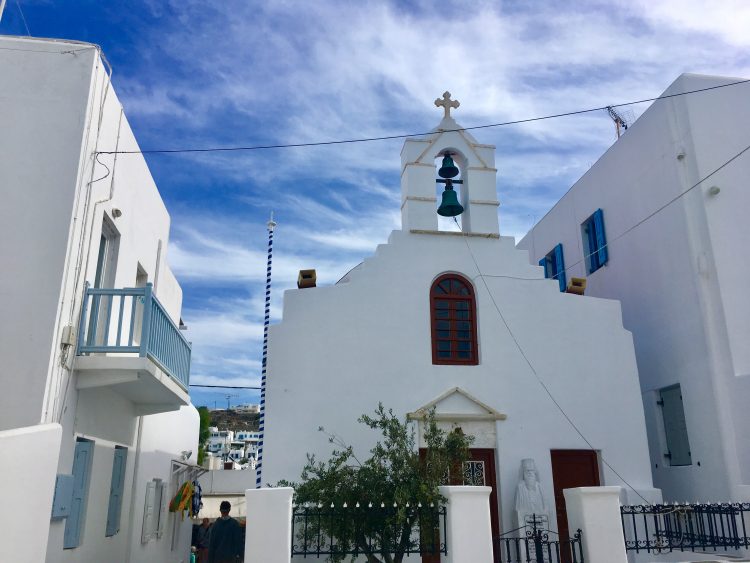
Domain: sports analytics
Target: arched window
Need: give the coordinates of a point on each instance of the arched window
(454, 321)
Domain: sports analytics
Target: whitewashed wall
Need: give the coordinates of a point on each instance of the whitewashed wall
(680, 275)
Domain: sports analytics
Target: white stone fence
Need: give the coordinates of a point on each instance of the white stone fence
(468, 534)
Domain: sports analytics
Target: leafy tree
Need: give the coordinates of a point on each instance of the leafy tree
(203, 432)
(395, 476)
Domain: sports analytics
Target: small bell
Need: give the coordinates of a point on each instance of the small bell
(448, 169)
(449, 206)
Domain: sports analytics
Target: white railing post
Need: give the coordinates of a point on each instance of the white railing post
(596, 512)
(148, 303)
(468, 529)
(269, 525)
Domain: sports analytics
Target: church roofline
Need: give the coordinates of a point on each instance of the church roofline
(491, 414)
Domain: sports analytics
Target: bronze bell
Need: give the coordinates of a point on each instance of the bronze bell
(448, 169)
(449, 206)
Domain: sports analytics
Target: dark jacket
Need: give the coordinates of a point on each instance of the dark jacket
(225, 541)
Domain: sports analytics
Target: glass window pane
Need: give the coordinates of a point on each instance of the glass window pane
(463, 325)
(437, 290)
(443, 333)
(463, 305)
(444, 354)
(464, 355)
(443, 325)
(444, 314)
(462, 314)
(464, 345)
(445, 285)
(444, 345)
(463, 335)
(442, 304)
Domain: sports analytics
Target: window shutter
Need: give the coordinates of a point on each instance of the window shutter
(543, 264)
(115, 491)
(148, 513)
(560, 267)
(160, 509)
(675, 427)
(601, 238)
(81, 476)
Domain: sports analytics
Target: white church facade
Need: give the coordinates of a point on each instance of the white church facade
(462, 323)
(672, 200)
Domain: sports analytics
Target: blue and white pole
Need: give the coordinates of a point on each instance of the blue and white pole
(262, 417)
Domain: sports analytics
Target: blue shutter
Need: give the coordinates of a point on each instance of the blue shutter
(543, 264)
(115, 491)
(601, 238)
(560, 267)
(81, 476)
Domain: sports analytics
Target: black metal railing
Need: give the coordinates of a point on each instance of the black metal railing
(530, 544)
(335, 532)
(659, 528)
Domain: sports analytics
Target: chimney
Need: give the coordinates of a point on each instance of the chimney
(306, 278)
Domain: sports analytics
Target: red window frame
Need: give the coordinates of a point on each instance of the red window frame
(453, 319)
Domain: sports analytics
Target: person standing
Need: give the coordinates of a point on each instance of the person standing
(225, 544)
(202, 537)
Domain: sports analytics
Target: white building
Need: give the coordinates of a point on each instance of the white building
(680, 275)
(378, 335)
(219, 441)
(95, 371)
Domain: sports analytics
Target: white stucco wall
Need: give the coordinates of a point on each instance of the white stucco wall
(679, 275)
(21, 542)
(341, 349)
(164, 436)
(44, 112)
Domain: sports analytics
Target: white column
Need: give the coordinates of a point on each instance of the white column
(28, 488)
(596, 512)
(269, 525)
(468, 529)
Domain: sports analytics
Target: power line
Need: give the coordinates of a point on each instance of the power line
(536, 375)
(635, 225)
(406, 135)
(23, 18)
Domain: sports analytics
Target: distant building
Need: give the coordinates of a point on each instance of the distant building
(247, 408)
(679, 266)
(95, 372)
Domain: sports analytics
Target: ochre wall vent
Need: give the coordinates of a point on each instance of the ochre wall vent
(307, 278)
(577, 286)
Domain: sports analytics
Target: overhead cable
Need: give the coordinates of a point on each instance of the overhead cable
(406, 135)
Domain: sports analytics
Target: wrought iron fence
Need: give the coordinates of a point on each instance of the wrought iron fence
(336, 532)
(660, 528)
(534, 545)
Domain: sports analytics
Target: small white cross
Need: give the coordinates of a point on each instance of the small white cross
(446, 103)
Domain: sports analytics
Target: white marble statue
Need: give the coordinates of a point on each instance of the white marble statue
(530, 502)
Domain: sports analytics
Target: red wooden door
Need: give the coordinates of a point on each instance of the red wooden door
(570, 469)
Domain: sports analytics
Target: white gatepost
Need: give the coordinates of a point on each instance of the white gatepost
(596, 512)
(468, 528)
(269, 525)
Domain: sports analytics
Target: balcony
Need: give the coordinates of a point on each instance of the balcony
(127, 341)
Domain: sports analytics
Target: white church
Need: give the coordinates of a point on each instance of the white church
(459, 321)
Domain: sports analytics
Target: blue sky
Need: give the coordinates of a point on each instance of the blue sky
(194, 74)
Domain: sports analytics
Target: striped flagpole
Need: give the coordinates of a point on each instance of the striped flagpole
(262, 417)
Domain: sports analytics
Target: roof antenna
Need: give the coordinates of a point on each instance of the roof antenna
(618, 119)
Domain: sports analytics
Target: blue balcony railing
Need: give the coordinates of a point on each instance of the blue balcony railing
(132, 321)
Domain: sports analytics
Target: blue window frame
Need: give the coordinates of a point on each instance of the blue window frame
(595, 241)
(554, 266)
(82, 458)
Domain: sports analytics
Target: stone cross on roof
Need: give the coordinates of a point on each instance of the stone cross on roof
(446, 103)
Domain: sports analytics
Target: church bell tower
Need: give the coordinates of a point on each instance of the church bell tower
(476, 187)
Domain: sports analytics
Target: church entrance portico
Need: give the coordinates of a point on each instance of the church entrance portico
(457, 409)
